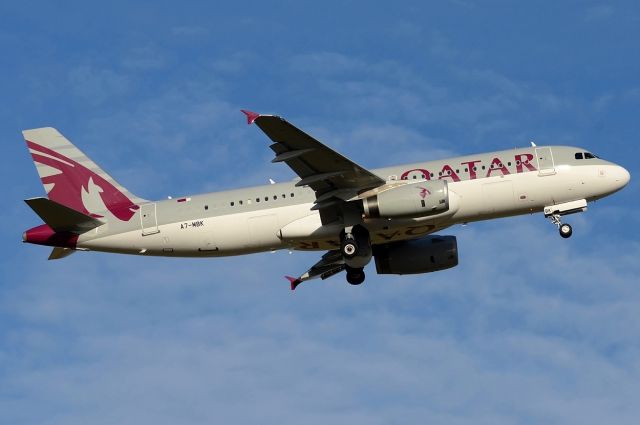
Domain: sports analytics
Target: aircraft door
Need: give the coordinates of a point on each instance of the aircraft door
(544, 157)
(148, 219)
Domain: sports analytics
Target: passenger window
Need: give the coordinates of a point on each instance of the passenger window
(578, 155)
(206, 207)
(257, 199)
(275, 197)
(232, 203)
(266, 198)
(284, 195)
(240, 202)
(292, 195)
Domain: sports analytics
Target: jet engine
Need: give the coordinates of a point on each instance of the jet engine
(409, 200)
(425, 255)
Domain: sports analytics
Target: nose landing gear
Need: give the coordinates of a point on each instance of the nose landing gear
(555, 212)
(564, 229)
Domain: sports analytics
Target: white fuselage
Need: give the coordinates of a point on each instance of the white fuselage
(234, 222)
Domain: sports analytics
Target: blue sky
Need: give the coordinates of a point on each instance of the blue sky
(529, 328)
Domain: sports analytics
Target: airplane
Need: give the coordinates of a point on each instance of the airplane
(389, 215)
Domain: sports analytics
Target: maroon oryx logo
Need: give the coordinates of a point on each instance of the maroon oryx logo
(72, 179)
(424, 192)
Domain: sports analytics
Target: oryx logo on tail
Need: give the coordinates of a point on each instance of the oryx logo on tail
(82, 187)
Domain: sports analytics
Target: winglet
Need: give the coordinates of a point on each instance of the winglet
(294, 282)
(251, 116)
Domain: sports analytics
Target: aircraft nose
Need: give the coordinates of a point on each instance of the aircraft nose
(621, 176)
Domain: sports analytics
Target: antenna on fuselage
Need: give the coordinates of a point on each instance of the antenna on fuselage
(272, 181)
(533, 144)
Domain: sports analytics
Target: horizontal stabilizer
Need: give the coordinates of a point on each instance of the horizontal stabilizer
(59, 253)
(61, 218)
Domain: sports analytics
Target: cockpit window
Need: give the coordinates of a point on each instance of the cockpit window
(579, 155)
(588, 155)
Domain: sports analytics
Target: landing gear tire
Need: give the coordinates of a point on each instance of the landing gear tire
(565, 230)
(355, 276)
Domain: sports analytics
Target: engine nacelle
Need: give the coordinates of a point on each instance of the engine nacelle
(409, 200)
(429, 254)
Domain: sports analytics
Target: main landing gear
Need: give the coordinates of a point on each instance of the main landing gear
(349, 246)
(564, 229)
(355, 247)
(355, 276)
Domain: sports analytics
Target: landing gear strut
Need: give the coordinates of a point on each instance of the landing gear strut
(564, 229)
(355, 246)
(349, 246)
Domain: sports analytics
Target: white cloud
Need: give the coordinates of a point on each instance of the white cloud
(537, 334)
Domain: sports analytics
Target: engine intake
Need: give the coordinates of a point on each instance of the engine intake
(409, 200)
(429, 254)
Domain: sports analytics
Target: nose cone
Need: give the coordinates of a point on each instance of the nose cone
(621, 176)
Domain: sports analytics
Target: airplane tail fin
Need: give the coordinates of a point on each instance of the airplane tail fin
(74, 181)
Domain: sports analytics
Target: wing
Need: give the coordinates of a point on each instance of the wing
(332, 176)
(331, 263)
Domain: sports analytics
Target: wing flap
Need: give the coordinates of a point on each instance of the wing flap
(289, 155)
